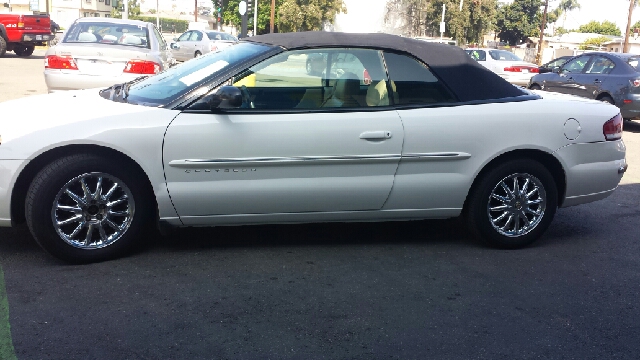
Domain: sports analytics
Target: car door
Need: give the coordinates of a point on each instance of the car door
(181, 52)
(567, 80)
(595, 74)
(293, 147)
(429, 176)
(196, 42)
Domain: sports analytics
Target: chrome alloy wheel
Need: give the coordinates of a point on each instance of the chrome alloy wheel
(517, 204)
(93, 211)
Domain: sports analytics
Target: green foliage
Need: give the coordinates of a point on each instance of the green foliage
(165, 23)
(560, 30)
(605, 28)
(635, 26)
(134, 10)
(594, 43)
(519, 20)
(308, 15)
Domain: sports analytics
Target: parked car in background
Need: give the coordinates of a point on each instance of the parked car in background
(194, 43)
(245, 136)
(610, 77)
(99, 52)
(553, 65)
(504, 63)
(22, 33)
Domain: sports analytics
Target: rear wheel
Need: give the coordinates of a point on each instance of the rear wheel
(3, 46)
(513, 204)
(85, 208)
(607, 99)
(535, 87)
(24, 50)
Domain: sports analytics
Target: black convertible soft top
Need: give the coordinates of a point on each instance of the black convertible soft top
(469, 80)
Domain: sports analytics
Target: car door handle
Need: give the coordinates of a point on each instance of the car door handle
(596, 81)
(375, 135)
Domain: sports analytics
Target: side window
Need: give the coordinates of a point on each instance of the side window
(576, 65)
(162, 45)
(185, 36)
(600, 65)
(195, 36)
(299, 80)
(413, 83)
(477, 55)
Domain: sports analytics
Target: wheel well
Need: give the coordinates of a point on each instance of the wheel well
(535, 84)
(604, 94)
(34, 166)
(547, 160)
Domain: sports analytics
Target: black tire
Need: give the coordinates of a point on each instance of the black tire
(3, 46)
(46, 193)
(535, 87)
(25, 51)
(481, 219)
(198, 53)
(607, 99)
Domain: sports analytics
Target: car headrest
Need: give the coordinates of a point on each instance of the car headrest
(377, 94)
(87, 37)
(132, 40)
(346, 86)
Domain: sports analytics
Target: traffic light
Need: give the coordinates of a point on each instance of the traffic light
(249, 6)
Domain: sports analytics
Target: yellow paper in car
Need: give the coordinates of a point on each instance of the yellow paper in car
(248, 81)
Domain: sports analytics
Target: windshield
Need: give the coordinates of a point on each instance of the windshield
(503, 55)
(634, 61)
(108, 33)
(167, 86)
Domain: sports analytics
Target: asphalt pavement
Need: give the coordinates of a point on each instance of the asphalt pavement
(395, 290)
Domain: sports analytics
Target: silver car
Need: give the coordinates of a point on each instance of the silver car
(194, 43)
(97, 52)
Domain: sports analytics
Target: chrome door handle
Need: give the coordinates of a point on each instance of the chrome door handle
(596, 81)
(375, 135)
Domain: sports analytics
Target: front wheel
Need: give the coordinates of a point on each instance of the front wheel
(513, 204)
(197, 54)
(535, 87)
(86, 208)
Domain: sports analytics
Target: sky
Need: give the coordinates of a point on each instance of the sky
(367, 15)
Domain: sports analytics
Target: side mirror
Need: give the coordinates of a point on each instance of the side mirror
(227, 97)
(543, 70)
(174, 46)
(175, 39)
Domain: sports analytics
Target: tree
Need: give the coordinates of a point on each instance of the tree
(519, 20)
(560, 30)
(565, 6)
(134, 10)
(605, 28)
(469, 24)
(594, 43)
(308, 15)
(231, 15)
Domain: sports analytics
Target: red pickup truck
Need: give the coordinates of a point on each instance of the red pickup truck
(21, 33)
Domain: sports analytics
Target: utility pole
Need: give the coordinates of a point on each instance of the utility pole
(625, 49)
(273, 14)
(442, 22)
(255, 18)
(158, 15)
(125, 14)
(542, 27)
(195, 13)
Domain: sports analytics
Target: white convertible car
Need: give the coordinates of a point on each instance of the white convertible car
(247, 136)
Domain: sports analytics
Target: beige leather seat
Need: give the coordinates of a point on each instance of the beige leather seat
(345, 91)
(378, 94)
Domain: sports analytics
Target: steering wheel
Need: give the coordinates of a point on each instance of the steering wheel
(246, 97)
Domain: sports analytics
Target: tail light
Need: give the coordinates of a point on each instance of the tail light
(212, 47)
(60, 62)
(635, 82)
(612, 129)
(520, 68)
(142, 67)
(366, 77)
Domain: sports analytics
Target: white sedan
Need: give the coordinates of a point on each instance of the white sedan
(247, 136)
(506, 64)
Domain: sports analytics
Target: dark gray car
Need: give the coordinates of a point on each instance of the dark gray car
(604, 76)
